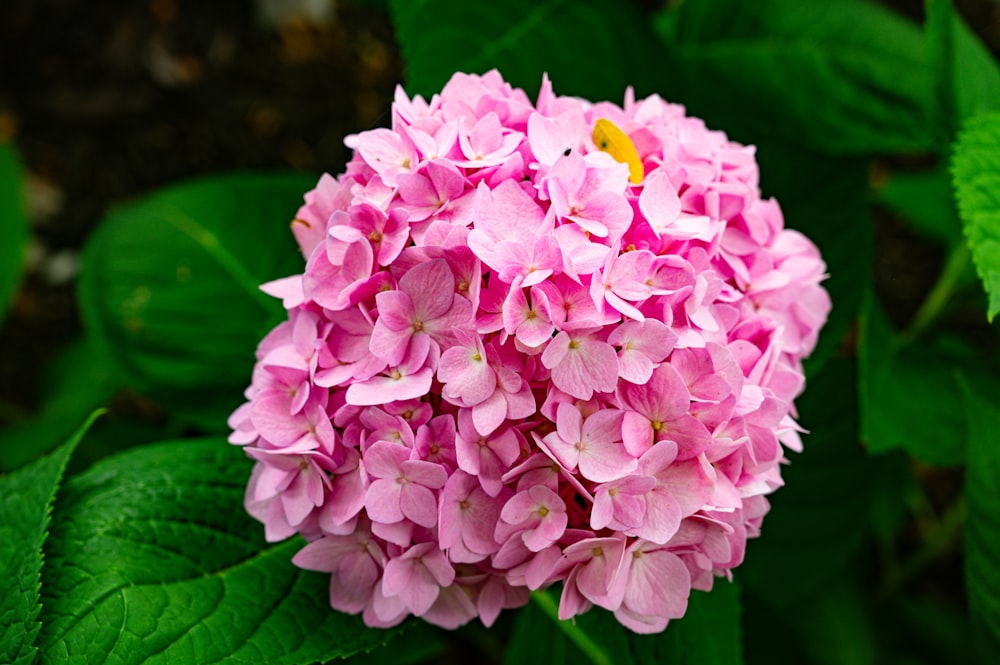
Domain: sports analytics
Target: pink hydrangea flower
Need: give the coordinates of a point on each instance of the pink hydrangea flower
(512, 362)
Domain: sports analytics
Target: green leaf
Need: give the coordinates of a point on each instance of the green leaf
(924, 200)
(170, 285)
(13, 227)
(976, 171)
(908, 395)
(982, 530)
(591, 49)
(968, 75)
(842, 76)
(153, 560)
(26, 496)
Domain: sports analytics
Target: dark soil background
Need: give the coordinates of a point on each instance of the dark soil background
(108, 101)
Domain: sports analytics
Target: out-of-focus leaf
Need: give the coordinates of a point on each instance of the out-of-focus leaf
(841, 76)
(982, 528)
(26, 496)
(834, 627)
(976, 171)
(909, 398)
(591, 49)
(826, 199)
(170, 284)
(837, 627)
(80, 379)
(709, 634)
(13, 226)
(818, 519)
(535, 639)
(936, 630)
(418, 642)
(924, 199)
(152, 559)
(968, 75)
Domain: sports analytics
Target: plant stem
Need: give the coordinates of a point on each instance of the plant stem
(590, 648)
(939, 294)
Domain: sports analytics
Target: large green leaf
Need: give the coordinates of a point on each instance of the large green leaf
(982, 531)
(26, 497)
(170, 285)
(153, 560)
(842, 76)
(592, 49)
(13, 226)
(976, 169)
(908, 395)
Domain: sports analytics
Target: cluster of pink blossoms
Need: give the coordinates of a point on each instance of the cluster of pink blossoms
(524, 352)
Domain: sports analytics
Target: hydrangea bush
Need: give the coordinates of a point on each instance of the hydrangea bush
(531, 344)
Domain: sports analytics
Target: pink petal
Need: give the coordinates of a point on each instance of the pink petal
(431, 285)
(581, 364)
(659, 202)
(382, 501)
(419, 504)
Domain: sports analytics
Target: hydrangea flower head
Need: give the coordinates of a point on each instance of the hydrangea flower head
(532, 344)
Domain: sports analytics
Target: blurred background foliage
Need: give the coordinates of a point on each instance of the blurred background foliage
(140, 206)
